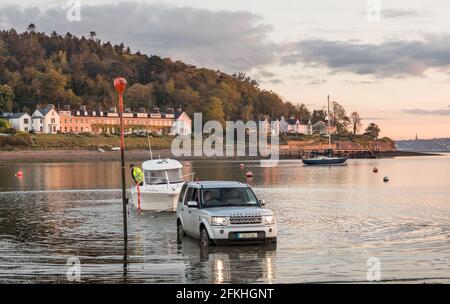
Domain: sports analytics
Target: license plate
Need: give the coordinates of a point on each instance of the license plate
(249, 235)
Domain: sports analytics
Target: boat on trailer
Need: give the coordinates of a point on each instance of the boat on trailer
(161, 187)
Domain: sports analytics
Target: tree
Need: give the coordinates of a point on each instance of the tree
(302, 112)
(31, 28)
(214, 110)
(139, 95)
(372, 130)
(6, 98)
(318, 115)
(339, 118)
(355, 120)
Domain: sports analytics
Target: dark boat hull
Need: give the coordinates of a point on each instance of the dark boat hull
(325, 161)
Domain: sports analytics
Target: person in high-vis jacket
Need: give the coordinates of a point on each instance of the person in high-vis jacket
(137, 175)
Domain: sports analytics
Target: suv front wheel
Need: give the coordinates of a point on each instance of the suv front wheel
(204, 238)
(180, 232)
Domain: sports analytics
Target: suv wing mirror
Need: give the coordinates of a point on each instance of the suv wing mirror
(192, 204)
(262, 202)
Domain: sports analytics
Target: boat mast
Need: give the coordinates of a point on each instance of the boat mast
(329, 123)
(149, 146)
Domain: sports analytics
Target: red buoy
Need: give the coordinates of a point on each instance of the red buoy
(249, 174)
(241, 166)
(19, 173)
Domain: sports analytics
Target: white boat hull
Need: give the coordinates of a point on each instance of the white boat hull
(156, 198)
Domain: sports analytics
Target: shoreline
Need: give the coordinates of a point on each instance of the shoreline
(58, 155)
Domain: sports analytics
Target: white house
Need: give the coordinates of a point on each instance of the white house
(293, 125)
(275, 128)
(21, 121)
(283, 125)
(182, 125)
(46, 120)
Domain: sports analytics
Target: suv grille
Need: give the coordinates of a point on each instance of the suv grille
(245, 219)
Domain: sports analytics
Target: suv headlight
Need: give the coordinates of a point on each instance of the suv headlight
(268, 219)
(219, 221)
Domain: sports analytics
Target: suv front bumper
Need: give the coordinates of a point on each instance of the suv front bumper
(230, 234)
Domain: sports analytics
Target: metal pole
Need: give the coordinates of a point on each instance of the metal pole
(120, 84)
(329, 123)
(122, 161)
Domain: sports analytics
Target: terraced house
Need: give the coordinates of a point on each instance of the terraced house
(83, 121)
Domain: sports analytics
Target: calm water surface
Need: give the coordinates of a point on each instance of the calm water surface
(331, 221)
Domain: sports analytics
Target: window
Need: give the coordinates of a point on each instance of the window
(188, 196)
(219, 197)
(52, 121)
(25, 120)
(160, 177)
(183, 189)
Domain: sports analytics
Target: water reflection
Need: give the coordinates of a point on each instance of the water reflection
(229, 264)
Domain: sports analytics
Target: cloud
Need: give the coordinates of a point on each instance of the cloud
(230, 41)
(316, 82)
(387, 59)
(440, 112)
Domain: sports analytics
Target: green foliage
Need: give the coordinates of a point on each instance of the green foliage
(214, 110)
(339, 118)
(4, 124)
(372, 130)
(6, 98)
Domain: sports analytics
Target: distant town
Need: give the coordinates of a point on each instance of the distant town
(424, 145)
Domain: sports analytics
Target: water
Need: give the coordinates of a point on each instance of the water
(331, 221)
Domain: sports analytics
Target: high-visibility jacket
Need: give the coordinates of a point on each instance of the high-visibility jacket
(138, 175)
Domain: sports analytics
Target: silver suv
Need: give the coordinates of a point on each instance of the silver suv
(223, 212)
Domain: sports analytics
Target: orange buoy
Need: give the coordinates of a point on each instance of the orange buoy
(249, 174)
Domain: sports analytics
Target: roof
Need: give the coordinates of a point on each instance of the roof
(47, 109)
(161, 164)
(17, 115)
(292, 121)
(218, 184)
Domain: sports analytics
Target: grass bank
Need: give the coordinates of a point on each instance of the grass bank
(22, 141)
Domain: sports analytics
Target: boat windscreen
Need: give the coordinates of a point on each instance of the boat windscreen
(160, 176)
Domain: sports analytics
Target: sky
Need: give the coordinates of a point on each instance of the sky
(387, 60)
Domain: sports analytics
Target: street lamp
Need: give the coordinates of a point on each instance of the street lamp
(120, 84)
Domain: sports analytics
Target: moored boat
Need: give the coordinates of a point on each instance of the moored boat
(326, 158)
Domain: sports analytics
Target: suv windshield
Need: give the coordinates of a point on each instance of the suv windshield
(222, 197)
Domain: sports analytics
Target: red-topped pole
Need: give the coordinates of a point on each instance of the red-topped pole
(120, 84)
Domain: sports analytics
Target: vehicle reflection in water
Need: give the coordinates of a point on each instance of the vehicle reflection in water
(229, 264)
